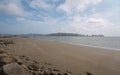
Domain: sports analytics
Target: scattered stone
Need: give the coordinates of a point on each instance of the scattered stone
(60, 73)
(1, 43)
(3, 55)
(35, 62)
(2, 51)
(56, 70)
(23, 56)
(37, 73)
(43, 68)
(25, 67)
(18, 60)
(47, 63)
(50, 69)
(27, 59)
(46, 72)
(67, 73)
(35, 67)
(13, 69)
(53, 73)
(40, 70)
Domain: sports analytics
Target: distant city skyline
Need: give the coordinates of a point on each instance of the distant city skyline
(67, 16)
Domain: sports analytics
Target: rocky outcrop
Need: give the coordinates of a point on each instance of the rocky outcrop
(6, 41)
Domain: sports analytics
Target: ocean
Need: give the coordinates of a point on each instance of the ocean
(102, 42)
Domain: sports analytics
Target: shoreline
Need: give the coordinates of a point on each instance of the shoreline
(79, 44)
(68, 57)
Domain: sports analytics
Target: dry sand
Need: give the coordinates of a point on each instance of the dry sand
(77, 59)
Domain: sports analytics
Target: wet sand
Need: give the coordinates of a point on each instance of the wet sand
(76, 59)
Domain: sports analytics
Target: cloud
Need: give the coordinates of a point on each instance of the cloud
(49, 21)
(95, 20)
(13, 9)
(93, 24)
(20, 19)
(78, 16)
(38, 4)
(43, 4)
(77, 6)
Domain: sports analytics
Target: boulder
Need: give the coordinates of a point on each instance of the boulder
(14, 69)
(3, 55)
(5, 59)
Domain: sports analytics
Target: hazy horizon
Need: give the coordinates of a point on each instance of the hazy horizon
(67, 16)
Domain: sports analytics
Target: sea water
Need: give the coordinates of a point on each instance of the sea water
(103, 42)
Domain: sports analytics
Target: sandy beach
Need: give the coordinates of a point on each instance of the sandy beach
(76, 59)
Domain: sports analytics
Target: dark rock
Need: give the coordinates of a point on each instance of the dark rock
(23, 56)
(1, 43)
(13, 69)
(37, 73)
(35, 67)
(46, 72)
(25, 67)
(56, 69)
(47, 63)
(30, 67)
(18, 60)
(43, 68)
(1, 71)
(2, 51)
(67, 73)
(59, 73)
(50, 69)
(53, 73)
(3, 55)
(34, 61)
(88, 73)
(40, 72)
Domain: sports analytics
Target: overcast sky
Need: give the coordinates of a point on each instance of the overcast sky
(51, 16)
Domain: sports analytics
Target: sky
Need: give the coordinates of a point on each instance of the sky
(51, 16)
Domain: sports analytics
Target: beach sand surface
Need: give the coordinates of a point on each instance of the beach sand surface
(66, 57)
